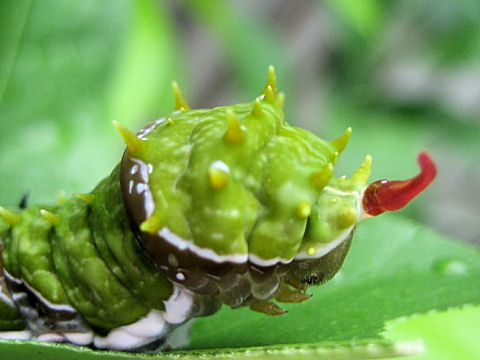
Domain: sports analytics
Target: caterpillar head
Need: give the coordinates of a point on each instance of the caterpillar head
(234, 201)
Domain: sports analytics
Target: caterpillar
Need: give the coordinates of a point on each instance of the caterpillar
(208, 207)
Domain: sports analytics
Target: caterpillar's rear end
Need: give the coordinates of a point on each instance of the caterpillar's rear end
(75, 273)
(229, 205)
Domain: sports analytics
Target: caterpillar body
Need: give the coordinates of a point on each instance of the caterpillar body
(207, 207)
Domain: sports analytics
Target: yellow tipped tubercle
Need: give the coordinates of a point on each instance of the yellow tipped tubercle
(52, 218)
(234, 134)
(341, 142)
(321, 178)
(151, 225)
(218, 175)
(134, 144)
(303, 210)
(180, 103)
(85, 197)
(271, 81)
(9, 216)
(62, 196)
(257, 108)
(270, 95)
(362, 174)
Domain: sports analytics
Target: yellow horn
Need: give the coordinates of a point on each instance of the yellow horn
(180, 103)
(9, 216)
(272, 82)
(134, 144)
(362, 174)
(257, 108)
(234, 133)
(342, 141)
(52, 218)
(85, 197)
(151, 225)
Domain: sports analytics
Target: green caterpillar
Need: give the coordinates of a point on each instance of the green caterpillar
(229, 205)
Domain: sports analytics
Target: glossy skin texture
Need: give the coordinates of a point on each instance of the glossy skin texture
(229, 201)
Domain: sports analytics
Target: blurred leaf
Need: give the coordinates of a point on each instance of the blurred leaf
(55, 117)
(391, 139)
(148, 63)
(51, 112)
(374, 349)
(448, 335)
(364, 16)
(13, 15)
(250, 43)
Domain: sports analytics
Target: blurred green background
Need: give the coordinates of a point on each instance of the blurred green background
(404, 74)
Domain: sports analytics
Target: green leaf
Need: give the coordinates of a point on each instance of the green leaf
(13, 16)
(247, 40)
(364, 17)
(65, 80)
(51, 109)
(141, 87)
(396, 268)
(448, 335)
(12, 350)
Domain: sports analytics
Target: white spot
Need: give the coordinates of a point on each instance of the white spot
(145, 131)
(180, 276)
(143, 169)
(16, 335)
(139, 333)
(141, 187)
(79, 338)
(220, 165)
(178, 307)
(148, 203)
(134, 169)
(153, 325)
(131, 183)
(117, 340)
(49, 337)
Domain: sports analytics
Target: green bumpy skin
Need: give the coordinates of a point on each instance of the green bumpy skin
(84, 255)
(241, 182)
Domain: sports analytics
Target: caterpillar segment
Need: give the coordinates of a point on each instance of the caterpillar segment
(229, 205)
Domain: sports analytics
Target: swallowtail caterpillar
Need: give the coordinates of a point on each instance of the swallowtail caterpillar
(229, 205)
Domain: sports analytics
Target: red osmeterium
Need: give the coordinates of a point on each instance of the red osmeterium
(385, 195)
